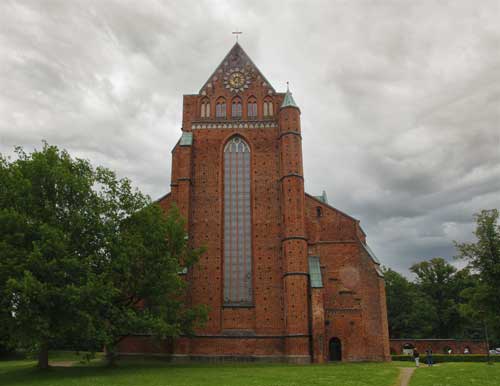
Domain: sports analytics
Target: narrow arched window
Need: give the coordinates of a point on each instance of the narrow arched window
(252, 108)
(237, 224)
(268, 107)
(220, 108)
(205, 108)
(236, 108)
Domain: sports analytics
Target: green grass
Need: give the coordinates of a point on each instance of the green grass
(457, 374)
(158, 373)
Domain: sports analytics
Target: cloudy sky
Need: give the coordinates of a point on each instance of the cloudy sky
(400, 99)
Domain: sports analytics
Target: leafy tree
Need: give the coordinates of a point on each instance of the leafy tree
(85, 256)
(144, 286)
(439, 282)
(483, 257)
(409, 312)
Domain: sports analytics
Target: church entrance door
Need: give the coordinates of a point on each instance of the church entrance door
(335, 350)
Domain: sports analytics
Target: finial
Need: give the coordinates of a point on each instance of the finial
(237, 33)
(288, 99)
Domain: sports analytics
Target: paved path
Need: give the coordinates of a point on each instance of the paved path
(405, 374)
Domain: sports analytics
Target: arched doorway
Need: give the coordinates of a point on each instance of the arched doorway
(408, 349)
(335, 350)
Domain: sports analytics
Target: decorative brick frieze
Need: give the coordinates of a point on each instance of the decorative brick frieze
(234, 125)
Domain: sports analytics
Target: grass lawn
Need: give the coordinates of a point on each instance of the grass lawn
(158, 373)
(458, 374)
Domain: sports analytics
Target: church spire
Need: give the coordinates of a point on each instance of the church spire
(288, 101)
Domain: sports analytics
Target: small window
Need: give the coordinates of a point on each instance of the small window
(319, 211)
(315, 272)
(220, 108)
(268, 107)
(236, 108)
(205, 108)
(252, 108)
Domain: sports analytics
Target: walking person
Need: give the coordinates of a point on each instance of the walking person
(429, 357)
(416, 356)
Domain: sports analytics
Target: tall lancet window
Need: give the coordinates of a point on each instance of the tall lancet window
(237, 224)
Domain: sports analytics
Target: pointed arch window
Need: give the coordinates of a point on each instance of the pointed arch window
(237, 224)
(220, 108)
(236, 110)
(252, 108)
(205, 108)
(268, 107)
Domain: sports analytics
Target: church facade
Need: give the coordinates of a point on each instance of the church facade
(286, 276)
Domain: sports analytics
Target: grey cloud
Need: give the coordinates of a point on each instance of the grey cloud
(400, 100)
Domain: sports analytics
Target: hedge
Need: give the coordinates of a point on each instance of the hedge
(439, 358)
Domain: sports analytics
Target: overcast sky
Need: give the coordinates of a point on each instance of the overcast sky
(400, 99)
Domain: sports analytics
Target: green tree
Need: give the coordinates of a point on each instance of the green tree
(409, 312)
(85, 256)
(483, 257)
(442, 284)
(145, 289)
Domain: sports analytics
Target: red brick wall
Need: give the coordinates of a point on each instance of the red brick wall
(354, 295)
(285, 312)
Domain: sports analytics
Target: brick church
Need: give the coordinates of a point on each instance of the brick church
(286, 276)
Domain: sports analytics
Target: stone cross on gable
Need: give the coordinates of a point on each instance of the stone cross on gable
(237, 33)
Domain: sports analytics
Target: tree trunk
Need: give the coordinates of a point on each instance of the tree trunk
(110, 358)
(43, 356)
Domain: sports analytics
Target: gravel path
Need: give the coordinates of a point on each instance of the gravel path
(405, 375)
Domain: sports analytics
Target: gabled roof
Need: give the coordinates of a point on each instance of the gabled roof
(162, 197)
(331, 207)
(237, 58)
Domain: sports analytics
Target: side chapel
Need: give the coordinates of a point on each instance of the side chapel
(286, 276)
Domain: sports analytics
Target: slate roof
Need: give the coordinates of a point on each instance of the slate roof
(186, 139)
(374, 259)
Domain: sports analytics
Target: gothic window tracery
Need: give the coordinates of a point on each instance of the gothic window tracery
(237, 224)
